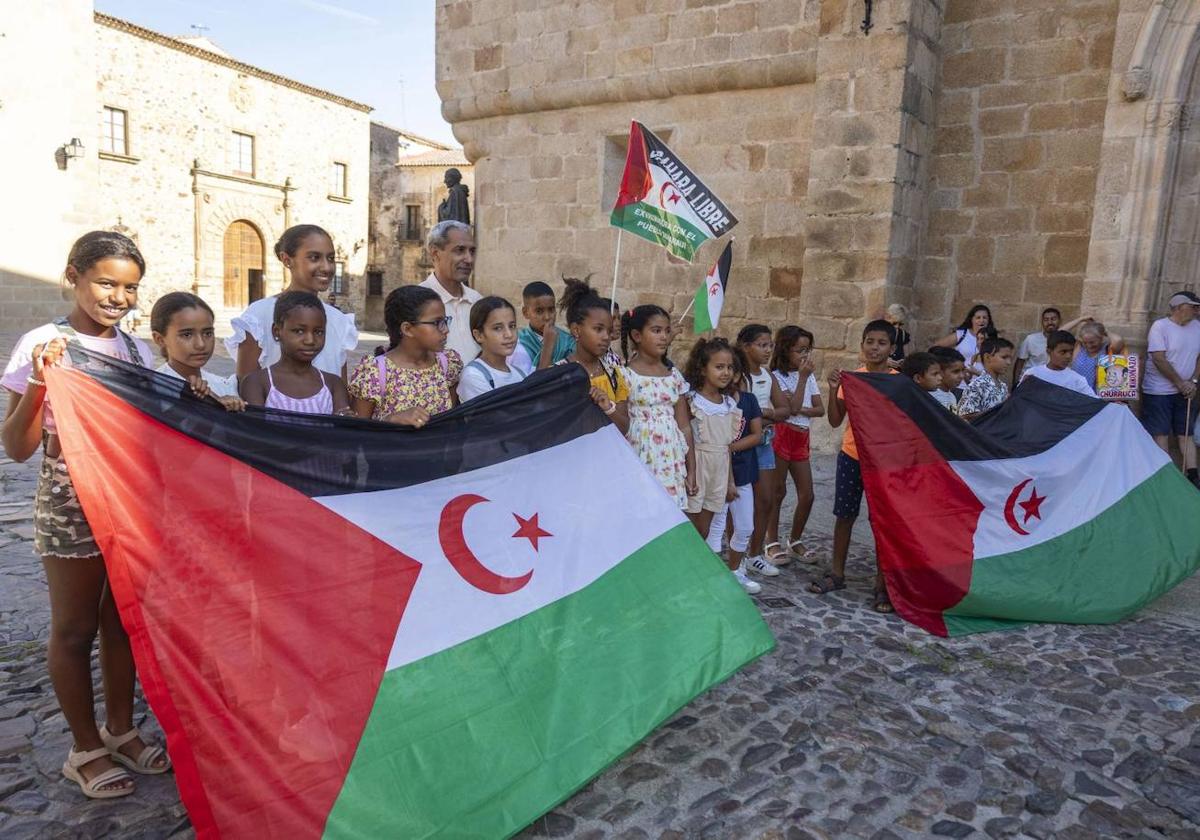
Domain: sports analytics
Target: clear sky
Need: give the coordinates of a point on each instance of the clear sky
(373, 51)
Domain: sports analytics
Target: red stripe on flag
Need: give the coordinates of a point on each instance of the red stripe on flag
(922, 513)
(261, 621)
(636, 181)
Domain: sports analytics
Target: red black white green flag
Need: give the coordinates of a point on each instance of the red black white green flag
(1053, 507)
(352, 629)
(663, 201)
(710, 297)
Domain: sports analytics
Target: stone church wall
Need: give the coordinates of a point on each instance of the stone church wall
(1020, 120)
(1010, 151)
(545, 118)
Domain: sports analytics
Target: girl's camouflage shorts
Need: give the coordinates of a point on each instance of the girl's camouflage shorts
(60, 527)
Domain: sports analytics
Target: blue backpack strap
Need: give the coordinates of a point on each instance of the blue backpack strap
(482, 368)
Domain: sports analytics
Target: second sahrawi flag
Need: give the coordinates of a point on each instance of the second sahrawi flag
(663, 201)
(710, 297)
(349, 629)
(1052, 507)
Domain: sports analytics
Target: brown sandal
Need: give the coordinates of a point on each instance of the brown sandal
(882, 603)
(828, 583)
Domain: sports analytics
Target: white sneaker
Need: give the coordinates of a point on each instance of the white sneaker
(750, 586)
(762, 566)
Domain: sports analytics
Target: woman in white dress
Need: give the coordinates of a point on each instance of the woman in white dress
(308, 254)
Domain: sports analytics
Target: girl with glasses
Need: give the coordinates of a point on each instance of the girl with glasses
(415, 376)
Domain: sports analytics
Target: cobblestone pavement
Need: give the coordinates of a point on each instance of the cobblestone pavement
(858, 725)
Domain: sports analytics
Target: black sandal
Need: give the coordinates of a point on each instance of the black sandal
(882, 604)
(828, 583)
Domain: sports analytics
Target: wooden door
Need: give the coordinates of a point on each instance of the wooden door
(243, 260)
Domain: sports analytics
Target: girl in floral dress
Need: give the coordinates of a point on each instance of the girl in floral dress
(414, 378)
(659, 425)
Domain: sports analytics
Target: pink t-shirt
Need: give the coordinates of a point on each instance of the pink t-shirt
(20, 364)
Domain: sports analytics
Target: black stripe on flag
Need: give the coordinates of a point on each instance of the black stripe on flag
(723, 264)
(1036, 417)
(327, 456)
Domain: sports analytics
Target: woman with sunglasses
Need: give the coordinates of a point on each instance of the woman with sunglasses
(415, 376)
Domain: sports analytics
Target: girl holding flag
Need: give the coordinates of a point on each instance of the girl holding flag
(104, 270)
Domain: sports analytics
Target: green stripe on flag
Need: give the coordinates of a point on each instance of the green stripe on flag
(1096, 573)
(702, 320)
(676, 234)
(501, 728)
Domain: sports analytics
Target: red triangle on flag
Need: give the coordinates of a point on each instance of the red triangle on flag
(261, 621)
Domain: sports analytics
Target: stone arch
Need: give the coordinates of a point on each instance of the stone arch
(220, 213)
(1146, 227)
(244, 256)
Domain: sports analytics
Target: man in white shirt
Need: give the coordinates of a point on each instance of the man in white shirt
(452, 249)
(1169, 386)
(1032, 351)
(1060, 347)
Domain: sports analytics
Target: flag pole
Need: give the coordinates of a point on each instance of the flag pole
(1187, 416)
(691, 303)
(616, 268)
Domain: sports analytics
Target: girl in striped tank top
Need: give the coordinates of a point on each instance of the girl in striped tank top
(292, 383)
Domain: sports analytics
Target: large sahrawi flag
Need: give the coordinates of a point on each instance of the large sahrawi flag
(1052, 507)
(349, 629)
(663, 201)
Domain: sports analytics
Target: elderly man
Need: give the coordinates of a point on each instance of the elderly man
(1169, 387)
(451, 246)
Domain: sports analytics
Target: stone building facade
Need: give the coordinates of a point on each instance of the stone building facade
(204, 160)
(407, 173)
(943, 152)
(49, 199)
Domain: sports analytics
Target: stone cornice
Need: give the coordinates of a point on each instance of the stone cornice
(233, 64)
(285, 188)
(779, 71)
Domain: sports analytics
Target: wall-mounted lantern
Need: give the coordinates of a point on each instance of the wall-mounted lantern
(68, 152)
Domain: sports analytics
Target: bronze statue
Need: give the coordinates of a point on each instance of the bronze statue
(456, 206)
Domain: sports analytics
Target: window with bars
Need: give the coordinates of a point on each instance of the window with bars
(412, 222)
(338, 185)
(339, 278)
(115, 132)
(241, 154)
(375, 284)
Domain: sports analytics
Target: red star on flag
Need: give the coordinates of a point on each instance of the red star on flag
(1033, 506)
(530, 530)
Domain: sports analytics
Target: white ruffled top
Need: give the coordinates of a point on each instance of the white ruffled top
(341, 335)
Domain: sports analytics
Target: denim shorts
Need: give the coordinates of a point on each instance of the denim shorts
(764, 451)
(1167, 414)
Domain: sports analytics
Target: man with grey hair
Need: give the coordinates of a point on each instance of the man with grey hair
(451, 247)
(1169, 386)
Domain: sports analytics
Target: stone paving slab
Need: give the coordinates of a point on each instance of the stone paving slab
(858, 725)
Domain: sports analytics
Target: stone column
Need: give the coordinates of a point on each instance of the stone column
(872, 120)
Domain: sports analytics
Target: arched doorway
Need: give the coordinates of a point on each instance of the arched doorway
(244, 256)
